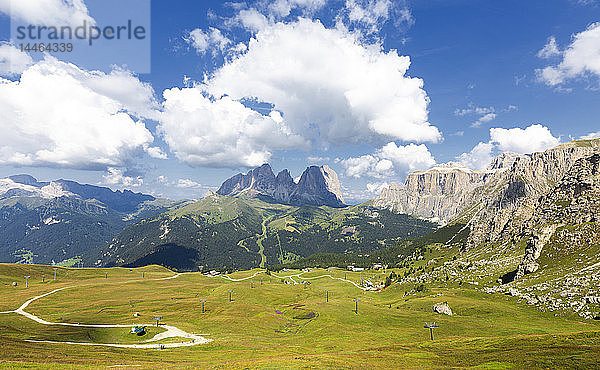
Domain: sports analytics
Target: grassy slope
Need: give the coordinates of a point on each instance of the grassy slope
(387, 331)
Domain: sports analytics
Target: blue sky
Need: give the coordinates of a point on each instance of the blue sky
(327, 71)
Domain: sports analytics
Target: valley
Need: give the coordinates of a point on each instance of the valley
(256, 233)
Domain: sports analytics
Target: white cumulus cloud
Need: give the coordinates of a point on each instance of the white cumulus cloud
(486, 114)
(389, 160)
(535, 138)
(550, 49)
(12, 60)
(590, 136)
(203, 41)
(580, 58)
(283, 8)
(47, 12)
(116, 178)
(368, 16)
(337, 90)
(479, 157)
(484, 119)
(59, 115)
(221, 132)
(187, 183)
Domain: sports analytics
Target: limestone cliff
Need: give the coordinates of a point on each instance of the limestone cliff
(495, 203)
(511, 197)
(439, 193)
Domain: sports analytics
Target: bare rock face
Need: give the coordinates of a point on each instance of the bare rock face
(574, 201)
(511, 197)
(535, 244)
(505, 161)
(439, 193)
(317, 186)
(285, 186)
(442, 308)
(562, 221)
(260, 179)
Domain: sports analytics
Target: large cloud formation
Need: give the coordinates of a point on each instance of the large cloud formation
(535, 138)
(12, 61)
(59, 115)
(220, 133)
(335, 91)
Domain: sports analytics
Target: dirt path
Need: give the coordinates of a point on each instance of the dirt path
(242, 279)
(170, 332)
(291, 277)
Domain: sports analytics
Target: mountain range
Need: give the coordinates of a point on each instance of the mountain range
(317, 186)
(59, 221)
(527, 226)
(258, 219)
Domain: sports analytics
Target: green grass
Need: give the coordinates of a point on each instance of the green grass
(274, 325)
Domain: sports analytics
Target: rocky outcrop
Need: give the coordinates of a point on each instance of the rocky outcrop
(576, 199)
(260, 179)
(496, 203)
(535, 244)
(511, 197)
(285, 186)
(442, 308)
(439, 193)
(505, 161)
(317, 186)
(564, 217)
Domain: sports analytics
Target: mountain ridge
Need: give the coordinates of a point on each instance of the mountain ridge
(61, 220)
(317, 186)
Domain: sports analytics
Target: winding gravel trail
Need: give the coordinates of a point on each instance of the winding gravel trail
(335, 278)
(291, 277)
(242, 279)
(170, 332)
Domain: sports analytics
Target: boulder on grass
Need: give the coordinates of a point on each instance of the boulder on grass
(442, 308)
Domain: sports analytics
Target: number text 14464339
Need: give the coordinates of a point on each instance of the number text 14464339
(54, 47)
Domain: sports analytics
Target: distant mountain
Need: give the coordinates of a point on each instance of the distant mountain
(442, 192)
(45, 222)
(122, 201)
(318, 186)
(244, 232)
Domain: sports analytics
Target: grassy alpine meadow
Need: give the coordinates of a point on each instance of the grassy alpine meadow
(276, 320)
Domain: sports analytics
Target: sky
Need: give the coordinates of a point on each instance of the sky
(375, 89)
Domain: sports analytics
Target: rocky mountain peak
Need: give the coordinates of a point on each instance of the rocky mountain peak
(317, 186)
(284, 177)
(261, 179)
(515, 195)
(27, 180)
(506, 191)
